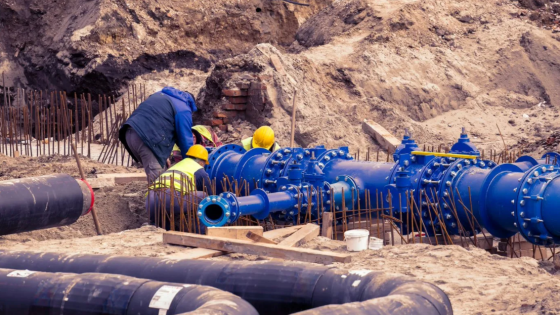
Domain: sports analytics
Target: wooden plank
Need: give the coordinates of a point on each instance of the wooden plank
(381, 135)
(251, 248)
(235, 232)
(259, 239)
(274, 234)
(195, 253)
(124, 178)
(97, 183)
(327, 228)
(304, 235)
(277, 64)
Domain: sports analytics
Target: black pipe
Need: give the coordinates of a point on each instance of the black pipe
(35, 293)
(271, 287)
(42, 202)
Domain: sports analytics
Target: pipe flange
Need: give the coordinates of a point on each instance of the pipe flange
(529, 204)
(334, 154)
(446, 192)
(349, 180)
(226, 201)
(276, 165)
(266, 204)
(248, 156)
(217, 155)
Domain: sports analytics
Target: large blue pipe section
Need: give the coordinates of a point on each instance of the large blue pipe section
(445, 191)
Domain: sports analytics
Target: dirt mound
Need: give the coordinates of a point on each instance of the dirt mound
(97, 46)
(429, 66)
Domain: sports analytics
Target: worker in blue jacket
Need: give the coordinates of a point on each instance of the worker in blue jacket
(162, 120)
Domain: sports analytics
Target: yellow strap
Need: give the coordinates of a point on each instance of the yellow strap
(459, 156)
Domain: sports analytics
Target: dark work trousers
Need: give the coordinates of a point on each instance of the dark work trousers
(143, 154)
(154, 204)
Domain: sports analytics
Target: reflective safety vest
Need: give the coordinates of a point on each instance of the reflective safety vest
(248, 144)
(182, 172)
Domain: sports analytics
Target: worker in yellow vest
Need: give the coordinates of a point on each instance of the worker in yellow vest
(262, 138)
(189, 174)
(189, 178)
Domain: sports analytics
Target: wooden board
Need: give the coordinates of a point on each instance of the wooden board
(97, 183)
(259, 239)
(281, 232)
(195, 253)
(304, 235)
(381, 135)
(125, 178)
(327, 228)
(251, 248)
(236, 232)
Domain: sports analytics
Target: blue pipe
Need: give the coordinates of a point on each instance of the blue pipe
(505, 199)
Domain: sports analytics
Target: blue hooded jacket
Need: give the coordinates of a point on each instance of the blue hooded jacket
(162, 120)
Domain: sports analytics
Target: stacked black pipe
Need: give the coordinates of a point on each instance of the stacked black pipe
(271, 287)
(35, 293)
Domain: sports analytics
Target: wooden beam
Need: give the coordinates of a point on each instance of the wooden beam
(327, 228)
(251, 248)
(125, 178)
(274, 234)
(195, 253)
(97, 183)
(236, 232)
(304, 235)
(259, 239)
(381, 135)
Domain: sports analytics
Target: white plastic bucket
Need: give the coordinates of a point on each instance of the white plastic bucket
(375, 243)
(356, 240)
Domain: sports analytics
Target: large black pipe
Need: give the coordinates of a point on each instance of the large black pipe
(271, 287)
(42, 202)
(35, 293)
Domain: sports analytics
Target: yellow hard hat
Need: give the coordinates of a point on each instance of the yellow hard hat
(263, 138)
(199, 152)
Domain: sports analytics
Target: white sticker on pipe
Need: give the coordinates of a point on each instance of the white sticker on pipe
(361, 273)
(21, 273)
(164, 296)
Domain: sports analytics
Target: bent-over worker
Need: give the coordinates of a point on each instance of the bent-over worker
(162, 120)
(189, 180)
(262, 138)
